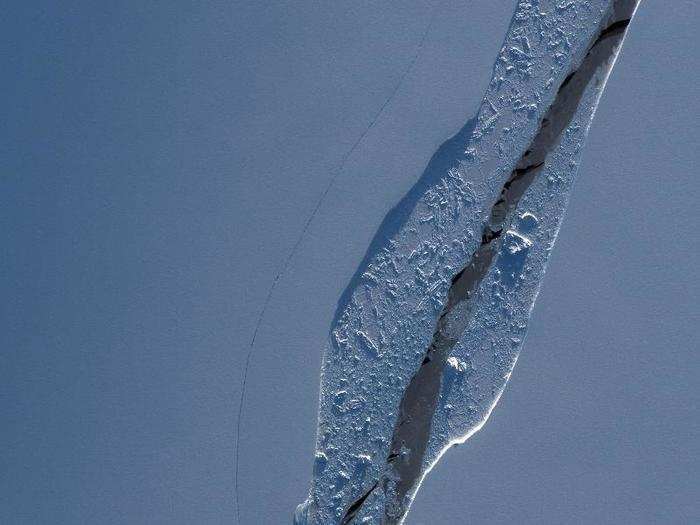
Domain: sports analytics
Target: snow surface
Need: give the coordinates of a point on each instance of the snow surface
(159, 161)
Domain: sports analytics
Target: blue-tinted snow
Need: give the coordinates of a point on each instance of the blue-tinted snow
(158, 161)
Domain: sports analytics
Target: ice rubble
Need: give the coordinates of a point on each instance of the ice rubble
(427, 333)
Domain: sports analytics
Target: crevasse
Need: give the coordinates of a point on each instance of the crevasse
(427, 333)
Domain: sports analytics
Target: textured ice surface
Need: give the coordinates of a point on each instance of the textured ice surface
(428, 331)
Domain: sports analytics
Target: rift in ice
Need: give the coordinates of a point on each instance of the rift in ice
(427, 333)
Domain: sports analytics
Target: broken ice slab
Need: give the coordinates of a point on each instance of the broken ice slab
(428, 331)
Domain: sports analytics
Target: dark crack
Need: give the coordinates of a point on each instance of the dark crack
(355, 507)
(412, 431)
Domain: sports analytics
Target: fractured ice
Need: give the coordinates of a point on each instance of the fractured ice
(427, 333)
